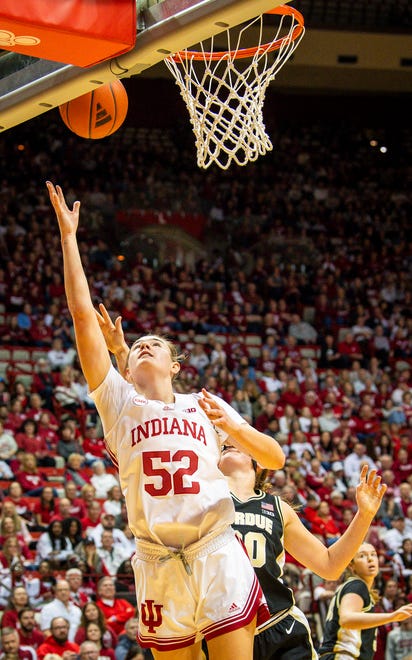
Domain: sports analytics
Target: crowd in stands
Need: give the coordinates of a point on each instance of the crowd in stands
(300, 317)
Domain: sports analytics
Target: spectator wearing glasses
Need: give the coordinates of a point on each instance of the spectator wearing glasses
(58, 641)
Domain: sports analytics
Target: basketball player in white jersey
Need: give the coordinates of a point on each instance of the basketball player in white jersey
(193, 578)
(269, 526)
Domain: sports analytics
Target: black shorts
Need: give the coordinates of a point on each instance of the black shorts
(287, 640)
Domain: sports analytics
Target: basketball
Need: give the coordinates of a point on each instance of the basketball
(97, 114)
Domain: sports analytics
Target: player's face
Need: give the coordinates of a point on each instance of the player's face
(365, 563)
(232, 459)
(151, 353)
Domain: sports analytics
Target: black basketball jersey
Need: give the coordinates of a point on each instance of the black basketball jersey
(336, 639)
(259, 521)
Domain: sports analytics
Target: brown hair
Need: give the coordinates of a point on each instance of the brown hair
(101, 622)
(261, 475)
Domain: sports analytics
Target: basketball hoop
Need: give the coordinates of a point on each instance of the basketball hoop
(225, 98)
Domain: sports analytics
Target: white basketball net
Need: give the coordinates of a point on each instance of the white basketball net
(225, 96)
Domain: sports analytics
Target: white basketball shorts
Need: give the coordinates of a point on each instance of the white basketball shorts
(208, 590)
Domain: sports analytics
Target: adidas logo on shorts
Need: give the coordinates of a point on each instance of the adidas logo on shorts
(233, 608)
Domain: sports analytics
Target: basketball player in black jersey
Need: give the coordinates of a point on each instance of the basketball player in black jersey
(269, 526)
(351, 622)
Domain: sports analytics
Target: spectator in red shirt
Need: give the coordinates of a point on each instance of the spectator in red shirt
(18, 600)
(77, 505)
(315, 475)
(62, 511)
(11, 647)
(338, 505)
(313, 402)
(87, 494)
(330, 385)
(324, 525)
(58, 642)
(46, 430)
(310, 511)
(29, 633)
(29, 477)
(15, 417)
(291, 395)
(41, 334)
(349, 350)
(116, 610)
(262, 420)
(44, 509)
(407, 404)
(93, 445)
(31, 442)
(92, 518)
(12, 334)
(329, 484)
(15, 495)
(36, 409)
(367, 424)
(402, 467)
(405, 497)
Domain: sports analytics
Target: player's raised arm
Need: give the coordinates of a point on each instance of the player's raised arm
(91, 347)
(330, 562)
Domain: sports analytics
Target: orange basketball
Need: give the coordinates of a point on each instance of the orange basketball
(97, 114)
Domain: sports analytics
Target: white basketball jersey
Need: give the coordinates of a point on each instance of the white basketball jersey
(167, 455)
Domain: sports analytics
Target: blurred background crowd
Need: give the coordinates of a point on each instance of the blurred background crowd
(289, 295)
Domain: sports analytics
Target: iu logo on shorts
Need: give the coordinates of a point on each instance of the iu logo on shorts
(152, 618)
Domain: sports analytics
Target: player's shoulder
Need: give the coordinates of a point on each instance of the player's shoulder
(184, 399)
(354, 585)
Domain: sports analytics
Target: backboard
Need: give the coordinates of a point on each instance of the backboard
(30, 86)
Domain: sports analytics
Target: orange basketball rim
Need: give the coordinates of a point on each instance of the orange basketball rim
(242, 53)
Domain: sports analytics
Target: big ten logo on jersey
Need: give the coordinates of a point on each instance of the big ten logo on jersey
(151, 615)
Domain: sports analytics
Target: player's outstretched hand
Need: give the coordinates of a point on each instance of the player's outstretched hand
(217, 414)
(112, 332)
(403, 612)
(369, 492)
(68, 219)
